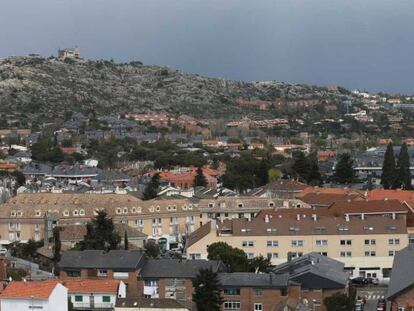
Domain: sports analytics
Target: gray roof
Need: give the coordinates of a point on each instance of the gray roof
(251, 279)
(37, 169)
(402, 275)
(177, 268)
(121, 260)
(315, 271)
(169, 304)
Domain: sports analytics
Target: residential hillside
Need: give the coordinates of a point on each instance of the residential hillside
(35, 89)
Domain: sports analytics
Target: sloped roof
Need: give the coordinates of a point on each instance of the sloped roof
(24, 290)
(402, 275)
(251, 279)
(315, 271)
(177, 268)
(92, 286)
(198, 234)
(121, 260)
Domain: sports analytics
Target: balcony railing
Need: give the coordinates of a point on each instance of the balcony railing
(89, 306)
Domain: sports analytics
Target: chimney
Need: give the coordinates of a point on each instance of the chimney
(346, 217)
(314, 217)
(294, 291)
(266, 218)
(362, 216)
(394, 216)
(298, 217)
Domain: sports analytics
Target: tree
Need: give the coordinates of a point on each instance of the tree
(403, 179)
(338, 302)
(100, 234)
(300, 166)
(274, 174)
(344, 169)
(151, 189)
(126, 246)
(388, 175)
(200, 179)
(234, 259)
(206, 294)
(262, 172)
(259, 264)
(57, 244)
(314, 176)
(152, 249)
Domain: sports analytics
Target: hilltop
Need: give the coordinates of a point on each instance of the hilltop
(35, 89)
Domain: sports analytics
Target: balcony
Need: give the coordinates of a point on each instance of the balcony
(92, 306)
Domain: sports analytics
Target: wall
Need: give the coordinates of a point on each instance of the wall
(403, 299)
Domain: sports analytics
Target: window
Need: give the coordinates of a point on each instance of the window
(370, 254)
(297, 242)
(271, 204)
(210, 205)
(323, 253)
(101, 272)
(346, 242)
(346, 254)
(195, 256)
(321, 242)
(258, 307)
(82, 212)
(393, 241)
(73, 273)
(231, 291)
(231, 305)
(38, 213)
(75, 213)
(66, 213)
(386, 272)
(139, 222)
(248, 243)
(294, 255)
(272, 255)
(272, 243)
(118, 210)
(106, 298)
(391, 253)
(78, 298)
(258, 292)
(370, 242)
(240, 205)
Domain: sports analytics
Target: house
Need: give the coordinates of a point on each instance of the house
(68, 53)
(95, 294)
(401, 287)
(47, 295)
(113, 265)
(172, 278)
(318, 275)
(254, 291)
(149, 305)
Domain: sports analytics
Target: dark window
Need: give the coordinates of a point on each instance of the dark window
(232, 291)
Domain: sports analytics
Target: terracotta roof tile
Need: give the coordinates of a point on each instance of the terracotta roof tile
(92, 286)
(21, 289)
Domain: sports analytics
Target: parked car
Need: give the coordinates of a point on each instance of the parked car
(360, 280)
(373, 281)
(3, 251)
(381, 305)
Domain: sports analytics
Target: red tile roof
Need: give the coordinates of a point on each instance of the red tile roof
(92, 286)
(24, 290)
(401, 195)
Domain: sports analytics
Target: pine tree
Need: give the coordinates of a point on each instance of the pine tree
(206, 294)
(100, 234)
(200, 179)
(126, 245)
(262, 172)
(300, 166)
(344, 169)
(151, 189)
(403, 179)
(388, 175)
(314, 176)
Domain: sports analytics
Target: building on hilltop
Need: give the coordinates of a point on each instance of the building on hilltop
(68, 53)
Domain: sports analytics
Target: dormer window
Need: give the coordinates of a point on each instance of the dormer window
(66, 213)
(133, 210)
(19, 213)
(157, 208)
(119, 210)
(271, 204)
(13, 213)
(82, 212)
(211, 205)
(190, 207)
(75, 212)
(240, 205)
(38, 213)
(125, 210)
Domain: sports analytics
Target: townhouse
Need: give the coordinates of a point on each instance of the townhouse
(118, 265)
(365, 240)
(401, 287)
(89, 294)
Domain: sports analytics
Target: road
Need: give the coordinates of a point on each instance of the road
(372, 294)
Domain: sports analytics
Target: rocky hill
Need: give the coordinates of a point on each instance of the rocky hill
(34, 89)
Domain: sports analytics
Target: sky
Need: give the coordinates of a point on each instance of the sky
(358, 44)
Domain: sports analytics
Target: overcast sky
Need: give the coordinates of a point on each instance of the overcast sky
(365, 44)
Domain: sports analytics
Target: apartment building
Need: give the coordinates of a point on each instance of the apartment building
(32, 216)
(365, 243)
